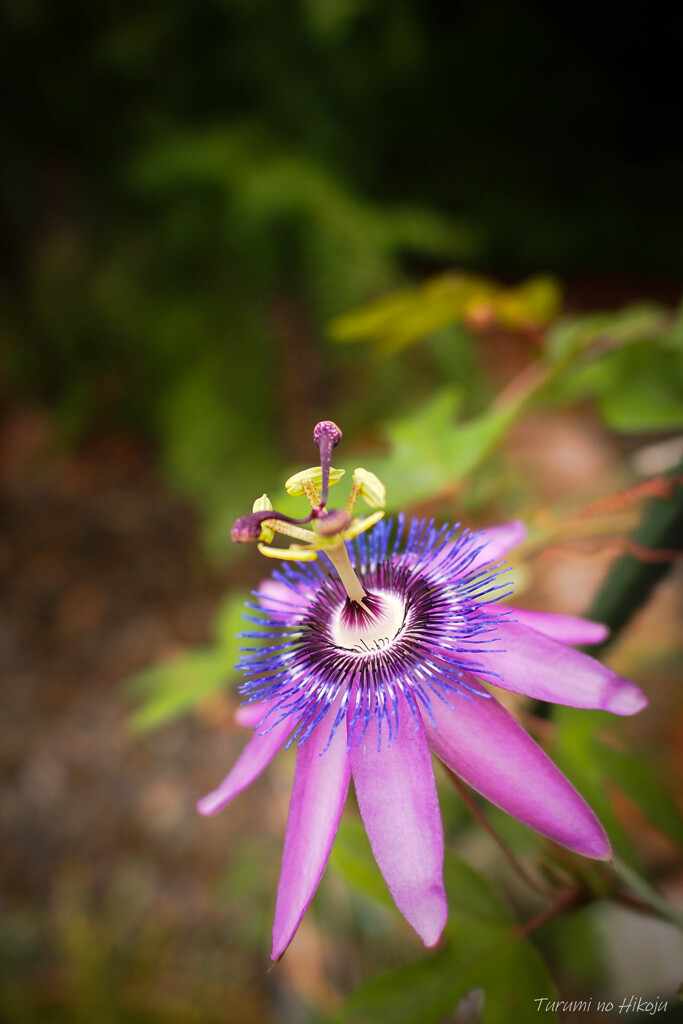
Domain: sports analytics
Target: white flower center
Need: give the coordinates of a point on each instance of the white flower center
(372, 633)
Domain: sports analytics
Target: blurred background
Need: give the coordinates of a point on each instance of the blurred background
(457, 233)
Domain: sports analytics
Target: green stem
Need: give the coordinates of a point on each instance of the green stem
(631, 579)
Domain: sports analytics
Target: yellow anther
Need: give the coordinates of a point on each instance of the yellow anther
(370, 487)
(361, 525)
(264, 504)
(291, 554)
(295, 484)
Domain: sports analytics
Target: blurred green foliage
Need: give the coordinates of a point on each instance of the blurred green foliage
(173, 172)
(398, 320)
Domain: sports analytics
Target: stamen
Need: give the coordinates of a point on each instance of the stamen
(359, 526)
(370, 487)
(289, 530)
(247, 529)
(291, 554)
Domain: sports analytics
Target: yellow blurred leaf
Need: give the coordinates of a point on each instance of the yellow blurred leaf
(402, 318)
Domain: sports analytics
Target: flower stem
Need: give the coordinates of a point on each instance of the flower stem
(632, 578)
(500, 843)
(566, 899)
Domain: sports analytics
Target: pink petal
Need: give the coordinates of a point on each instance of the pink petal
(279, 600)
(483, 744)
(498, 540)
(249, 715)
(256, 712)
(398, 803)
(568, 629)
(258, 752)
(321, 782)
(539, 667)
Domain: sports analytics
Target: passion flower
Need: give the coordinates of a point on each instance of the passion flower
(370, 649)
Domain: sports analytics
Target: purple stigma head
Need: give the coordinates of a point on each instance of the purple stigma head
(247, 529)
(326, 433)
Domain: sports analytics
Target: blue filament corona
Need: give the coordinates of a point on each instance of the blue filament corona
(302, 672)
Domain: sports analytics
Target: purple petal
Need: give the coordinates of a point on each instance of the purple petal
(542, 668)
(280, 600)
(498, 540)
(321, 782)
(249, 715)
(483, 744)
(258, 752)
(568, 629)
(398, 803)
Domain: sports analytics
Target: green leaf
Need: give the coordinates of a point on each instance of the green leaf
(424, 991)
(571, 336)
(642, 888)
(174, 687)
(513, 979)
(481, 952)
(575, 751)
(471, 893)
(631, 362)
(634, 776)
(575, 941)
(430, 454)
(473, 442)
(645, 390)
(418, 465)
(406, 315)
(352, 857)
(508, 970)
(230, 621)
